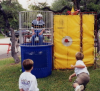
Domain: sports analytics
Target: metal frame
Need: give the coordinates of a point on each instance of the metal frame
(28, 16)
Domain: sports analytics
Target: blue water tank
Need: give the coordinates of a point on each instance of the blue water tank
(42, 57)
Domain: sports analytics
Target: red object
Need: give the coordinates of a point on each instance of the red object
(74, 13)
(66, 40)
(9, 45)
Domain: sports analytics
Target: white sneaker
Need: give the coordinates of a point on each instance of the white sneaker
(79, 88)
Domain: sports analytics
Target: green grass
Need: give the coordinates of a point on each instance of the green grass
(1, 36)
(57, 81)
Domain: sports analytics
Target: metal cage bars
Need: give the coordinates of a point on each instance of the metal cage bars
(25, 23)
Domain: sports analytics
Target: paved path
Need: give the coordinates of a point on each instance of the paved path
(3, 56)
(4, 48)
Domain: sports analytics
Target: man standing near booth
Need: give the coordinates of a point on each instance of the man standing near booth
(38, 29)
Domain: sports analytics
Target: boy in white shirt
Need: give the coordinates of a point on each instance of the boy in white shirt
(81, 72)
(27, 81)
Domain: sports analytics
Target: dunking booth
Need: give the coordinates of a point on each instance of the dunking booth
(70, 32)
(37, 42)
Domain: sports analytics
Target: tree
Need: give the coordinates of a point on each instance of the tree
(37, 7)
(82, 5)
(11, 9)
(10, 16)
(59, 4)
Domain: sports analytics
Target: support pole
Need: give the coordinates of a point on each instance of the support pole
(81, 33)
(95, 41)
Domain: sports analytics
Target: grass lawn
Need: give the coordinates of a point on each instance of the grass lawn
(1, 36)
(57, 81)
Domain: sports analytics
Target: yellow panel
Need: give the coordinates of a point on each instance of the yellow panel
(60, 64)
(65, 52)
(69, 25)
(66, 26)
(71, 62)
(73, 27)
(88, 28)
(88, 39)
(88, 61)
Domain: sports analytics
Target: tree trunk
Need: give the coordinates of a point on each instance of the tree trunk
(2, 33)
(98, 42)
(13, 53)
(97, 1)
(77, 4)
(85, 5)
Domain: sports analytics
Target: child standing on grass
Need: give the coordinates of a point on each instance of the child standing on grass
(81, 73)
(27, 81)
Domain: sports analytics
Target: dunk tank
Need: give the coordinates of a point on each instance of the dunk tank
(66, 34)
(31, 48)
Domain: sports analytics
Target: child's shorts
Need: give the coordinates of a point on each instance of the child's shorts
(82, 79)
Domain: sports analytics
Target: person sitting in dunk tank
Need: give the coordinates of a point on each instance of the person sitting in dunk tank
(37, 30)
